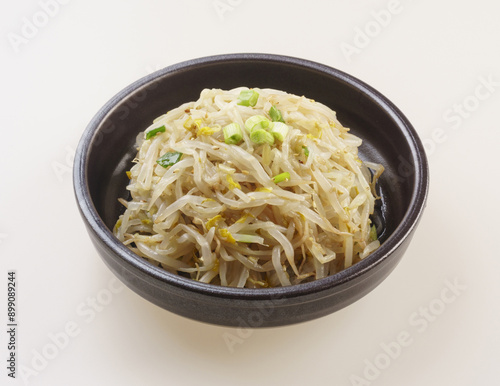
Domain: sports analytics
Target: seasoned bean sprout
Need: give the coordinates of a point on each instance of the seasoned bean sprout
(250, 188)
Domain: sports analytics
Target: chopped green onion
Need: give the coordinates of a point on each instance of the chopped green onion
(275, 115)
(248, 98)
(279, 131)
(306, 150)
(281, 177)
(151, 133)
(257, 122)
(373, 233)
(169, 159)
(232, 133)
(260, 136)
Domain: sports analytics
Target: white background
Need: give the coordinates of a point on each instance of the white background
(430, 58)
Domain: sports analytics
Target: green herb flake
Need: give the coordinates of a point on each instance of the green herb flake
(151, 133)
(169, 159)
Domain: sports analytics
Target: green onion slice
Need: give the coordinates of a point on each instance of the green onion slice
(279, 131)
(151, 133)
(276, 115)
(257, 122)
(169, 159)
(232, 133)
(373, 233)
(306, 150)
(248, 98)
(260, 136)
(281, 177)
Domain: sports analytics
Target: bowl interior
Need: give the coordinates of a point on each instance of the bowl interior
(358, 107)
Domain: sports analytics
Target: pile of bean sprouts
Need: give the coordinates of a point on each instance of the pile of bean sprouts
(218, 214)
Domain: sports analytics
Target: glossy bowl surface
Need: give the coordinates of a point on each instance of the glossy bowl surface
(107, 147)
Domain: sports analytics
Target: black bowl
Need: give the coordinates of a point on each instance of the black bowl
(107, 147)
